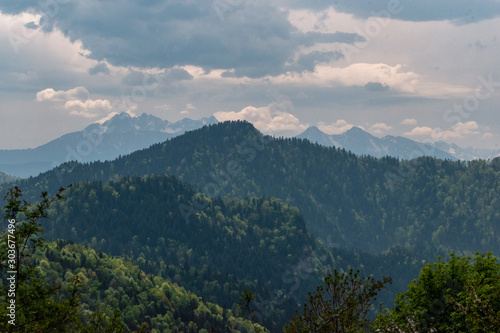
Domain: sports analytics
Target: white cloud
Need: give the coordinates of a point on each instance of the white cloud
(338, 127)
(188, 108)
(78, 93)
(36, 51)
(420, 131)
(409, 121)
(112, 114)
(275, 117)
(108, 117)
(379, 128)
(89, 108)
(458, 131)
(360, 74)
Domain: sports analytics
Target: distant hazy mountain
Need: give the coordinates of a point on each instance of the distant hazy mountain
(467, 153)
(425, 205)
(6, 178)
(362, 143)
(120, 135)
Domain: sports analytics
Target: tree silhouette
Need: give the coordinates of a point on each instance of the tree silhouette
(341, 305)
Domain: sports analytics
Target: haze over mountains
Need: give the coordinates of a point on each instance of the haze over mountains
(120, 135)
(348, 198)
(223, 208)
(363, 143)
(124, 134)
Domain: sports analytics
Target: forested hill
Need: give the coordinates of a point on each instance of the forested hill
(427, 205)
(221, 249)
(110, 283)
(4, 178)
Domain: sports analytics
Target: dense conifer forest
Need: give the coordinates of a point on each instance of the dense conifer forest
(425, 205)
(224, 209)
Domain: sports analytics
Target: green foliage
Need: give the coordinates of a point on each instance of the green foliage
(459, 295)
(116, 295)
(260, 244)
(63, 287)
(426, 205)
(341, 305)
(409, 211)
(246, 310)
(221, 250)
(37, 306)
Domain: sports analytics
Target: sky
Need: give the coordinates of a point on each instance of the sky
(427, 70)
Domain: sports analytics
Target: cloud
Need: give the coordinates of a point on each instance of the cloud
(375, 86)
(379, 128)
(188, 108)
(151, 77)
(358, 74)
(338, 127)
(458, 131)
(256, 39)
(112, 114)
(89, 108)
(78, 93)
(108, 117)
(36, 60)
(310, 60)
(370, 75)
(458, 11)
(163, 107)
(409, 121)
(99, 68)
(275, 117)
(420, 131)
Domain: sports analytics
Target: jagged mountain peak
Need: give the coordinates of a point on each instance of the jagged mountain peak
(120, 135)
(361, 142)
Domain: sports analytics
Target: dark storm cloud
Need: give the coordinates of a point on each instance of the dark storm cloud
(310, 60)
(457, 11)
(255, 38)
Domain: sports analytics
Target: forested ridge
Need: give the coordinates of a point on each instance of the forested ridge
(260, 244)
(425, 205)
(113, 288)
(4, 178)
(224, 209)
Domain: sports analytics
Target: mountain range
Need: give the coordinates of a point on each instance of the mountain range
(124, 134)
(120, 135)
(363, 143)
(223, 208)
(345, 199)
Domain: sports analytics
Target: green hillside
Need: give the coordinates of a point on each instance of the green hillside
(260, 244)
(426, 205)
(110, 283)
(276, 216)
